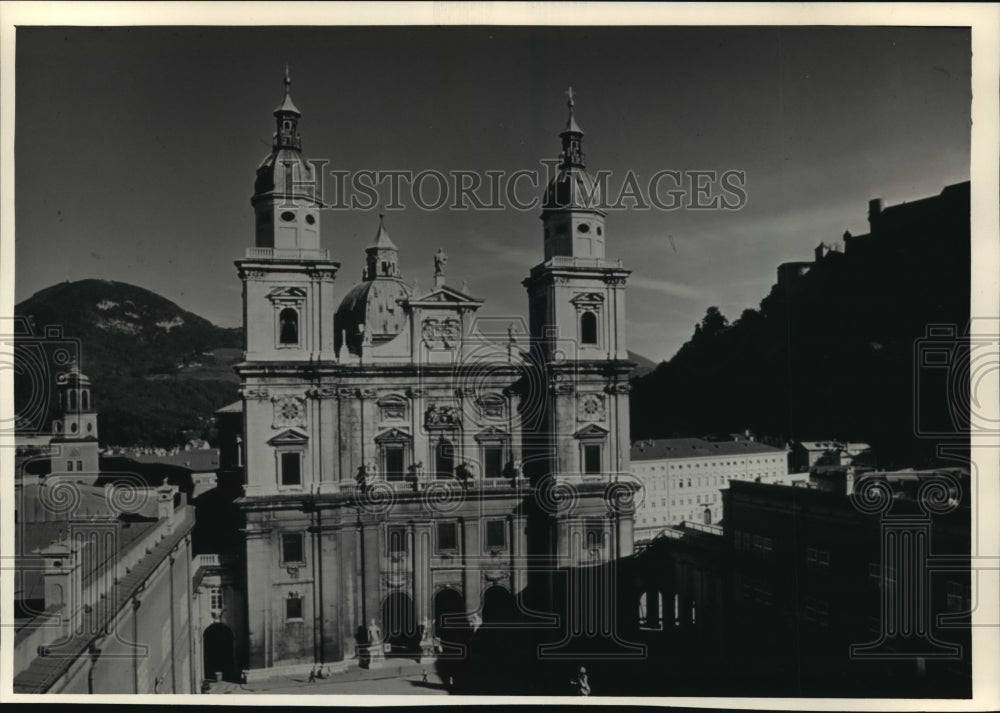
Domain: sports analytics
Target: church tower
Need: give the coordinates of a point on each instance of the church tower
(287, 315)
(75, 430)
(287, 277)
(577, 322)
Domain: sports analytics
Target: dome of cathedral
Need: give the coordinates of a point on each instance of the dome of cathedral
(371, 307)
(73, 377)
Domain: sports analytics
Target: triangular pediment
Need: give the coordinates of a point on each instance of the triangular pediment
(445, 294)
(289, 437)
(392, 434)
(287, 294)
(491, 434)
(591, 431)
(588, 298)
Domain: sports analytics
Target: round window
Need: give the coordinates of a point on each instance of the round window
(311, 219)
(599, 232)
(288, 216)
(583, 228)
(72, 427)
(90, 427)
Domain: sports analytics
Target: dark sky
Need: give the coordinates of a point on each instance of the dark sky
(136, 147)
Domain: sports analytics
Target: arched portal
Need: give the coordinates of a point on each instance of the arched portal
(218, 652)
(708, 516)
(449, 608)
(400, 623)
(498, 606)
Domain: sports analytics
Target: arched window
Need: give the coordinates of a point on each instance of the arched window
(588, 328)
(708, 516)
(289, 324)
(72, 400)
(85, 400)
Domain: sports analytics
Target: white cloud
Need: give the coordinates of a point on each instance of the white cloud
(674, 289)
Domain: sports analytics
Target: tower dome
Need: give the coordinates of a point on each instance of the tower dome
(573, 220)
(285, 200)
(370, 312)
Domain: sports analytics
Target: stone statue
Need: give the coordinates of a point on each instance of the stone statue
(425, 632)
(440, 260)
(374, 633)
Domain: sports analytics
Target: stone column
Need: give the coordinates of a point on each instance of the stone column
(472, 555)
(260, 567)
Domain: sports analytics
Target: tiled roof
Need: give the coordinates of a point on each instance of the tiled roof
(235, 407)
(44, 671)
(665, 448)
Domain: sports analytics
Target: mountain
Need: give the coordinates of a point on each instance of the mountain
(158, 372)
(643, 365)
(834, 350)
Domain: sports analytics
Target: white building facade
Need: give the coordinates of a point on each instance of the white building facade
(682, 478)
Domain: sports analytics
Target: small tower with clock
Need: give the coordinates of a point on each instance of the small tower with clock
(74, 431)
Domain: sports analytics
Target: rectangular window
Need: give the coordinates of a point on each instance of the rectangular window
(394, 467)
(496, 535)
(447, 536)
(69, 466)
(493, 461)
(79, 465)
(293, 608)
(592, 459)
(397, 540)
(215, 599)
(291, 468)
(292, 550)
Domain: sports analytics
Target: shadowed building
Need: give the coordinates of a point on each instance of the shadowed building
(408, 469)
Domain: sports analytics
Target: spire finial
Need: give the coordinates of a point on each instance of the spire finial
(569, 92)
(288, 79)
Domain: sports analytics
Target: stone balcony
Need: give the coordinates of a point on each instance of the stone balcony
(287, 254)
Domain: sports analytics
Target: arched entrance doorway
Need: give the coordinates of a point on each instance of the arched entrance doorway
(449, 608)
(708, 516)
(400, 624)
(498, 606)
(218, 652)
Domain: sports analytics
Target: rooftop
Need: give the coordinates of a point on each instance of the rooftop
(666, 448)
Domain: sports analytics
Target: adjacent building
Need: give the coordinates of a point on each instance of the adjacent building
(103, 594)
(809, 589)
(683, 478)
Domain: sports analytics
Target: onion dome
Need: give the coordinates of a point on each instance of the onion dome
(572, 188)
(285, 171)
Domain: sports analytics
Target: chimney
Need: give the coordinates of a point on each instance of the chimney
(165, 504)
(875, 206)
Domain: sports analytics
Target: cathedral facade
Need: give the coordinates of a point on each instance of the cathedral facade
(407, 468)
